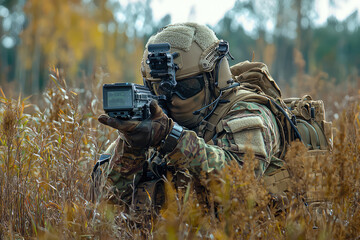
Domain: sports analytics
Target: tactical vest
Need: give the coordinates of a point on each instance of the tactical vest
(295, 116)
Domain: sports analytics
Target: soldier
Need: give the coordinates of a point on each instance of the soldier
(211, 120)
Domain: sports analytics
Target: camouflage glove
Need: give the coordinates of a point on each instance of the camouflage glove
(142, 134)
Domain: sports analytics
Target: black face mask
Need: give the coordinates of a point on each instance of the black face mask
(184, 89)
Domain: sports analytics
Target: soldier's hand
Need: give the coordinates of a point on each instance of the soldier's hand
(142, 134)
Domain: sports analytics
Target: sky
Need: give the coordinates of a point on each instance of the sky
(200, 11)
(211, 11)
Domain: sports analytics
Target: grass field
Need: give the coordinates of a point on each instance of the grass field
(50, 143)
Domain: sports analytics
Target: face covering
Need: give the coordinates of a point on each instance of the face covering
(181, 111)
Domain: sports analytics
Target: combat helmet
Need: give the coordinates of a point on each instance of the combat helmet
(200, 55)
(199, 51)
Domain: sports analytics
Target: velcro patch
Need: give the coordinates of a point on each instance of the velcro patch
(245, 123)
(252, 139)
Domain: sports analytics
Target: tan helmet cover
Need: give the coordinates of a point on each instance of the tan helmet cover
(196, 45)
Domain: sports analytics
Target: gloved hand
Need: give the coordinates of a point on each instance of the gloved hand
(142, 134)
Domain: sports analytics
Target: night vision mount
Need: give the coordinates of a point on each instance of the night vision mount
(161, 63)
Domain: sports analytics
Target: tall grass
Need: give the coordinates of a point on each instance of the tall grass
(48, 149)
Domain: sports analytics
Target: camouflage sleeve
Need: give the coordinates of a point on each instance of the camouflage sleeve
(125, 168)
(193, 154)
(247, 126)
(252, 126)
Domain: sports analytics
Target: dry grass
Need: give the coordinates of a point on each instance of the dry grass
(337, 96)
(47, 152)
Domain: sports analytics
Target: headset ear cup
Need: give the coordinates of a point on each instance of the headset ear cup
(224, 74)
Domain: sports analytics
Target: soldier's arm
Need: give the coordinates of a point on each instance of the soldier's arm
(125, 168)
(247, 126)
(128, 157)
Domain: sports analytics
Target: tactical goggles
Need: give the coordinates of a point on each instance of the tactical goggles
(184, 88)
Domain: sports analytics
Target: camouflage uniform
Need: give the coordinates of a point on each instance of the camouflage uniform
(246, 126)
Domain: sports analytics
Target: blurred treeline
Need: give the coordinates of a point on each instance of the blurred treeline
(83, 36)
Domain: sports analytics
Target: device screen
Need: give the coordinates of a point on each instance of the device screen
(119, 98)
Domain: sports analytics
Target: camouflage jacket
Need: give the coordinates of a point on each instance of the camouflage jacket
(246, 126)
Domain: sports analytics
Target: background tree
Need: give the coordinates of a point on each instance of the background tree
(81, 37)
(285, 37)
(76, 36)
